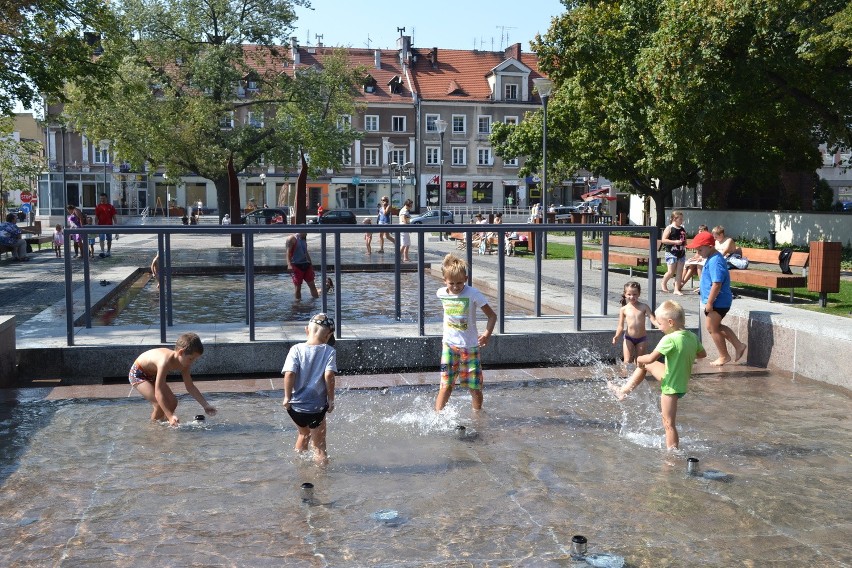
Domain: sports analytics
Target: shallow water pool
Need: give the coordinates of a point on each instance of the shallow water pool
(92, 483)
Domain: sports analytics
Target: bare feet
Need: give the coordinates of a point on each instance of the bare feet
(666, 290)
(678, 293)
(619, 394)
(740, 351)
(721, 361)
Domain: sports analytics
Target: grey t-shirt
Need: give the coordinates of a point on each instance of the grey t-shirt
(309, 363)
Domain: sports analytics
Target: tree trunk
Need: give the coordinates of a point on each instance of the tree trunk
(302, 192)
(234, 201)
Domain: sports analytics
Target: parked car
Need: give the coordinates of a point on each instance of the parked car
(335, 217)
(846, 206)
(430, 217)
(272, 215)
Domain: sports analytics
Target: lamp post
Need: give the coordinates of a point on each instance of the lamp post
(105, 158)
(401, 172)
(262, 177)
(441, 127)
(544, 87)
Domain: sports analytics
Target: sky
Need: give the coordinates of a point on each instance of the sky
(448, 24)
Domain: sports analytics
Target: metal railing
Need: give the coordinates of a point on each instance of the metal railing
(249, 232)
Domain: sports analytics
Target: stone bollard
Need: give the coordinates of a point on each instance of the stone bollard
(8, 368)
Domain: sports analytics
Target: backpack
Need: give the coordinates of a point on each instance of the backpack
(784, 260)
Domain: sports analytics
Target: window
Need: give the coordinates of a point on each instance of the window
(483, 157)
(511, 120)
(346, 157)
(510, 162)
(459, 156)
(344, 122)
(255, 119)
(398, 123)
(484, 125)
(397, 156)
(459, 123)
(511, 92)
(430, 122)
(433, 155)
(483, 191)
(371, 122)
(251, 85)
(101, 156)
(227, 120)
(371, 156)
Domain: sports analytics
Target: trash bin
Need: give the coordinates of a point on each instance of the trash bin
(771, 240)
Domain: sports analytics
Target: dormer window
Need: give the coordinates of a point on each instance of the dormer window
(395, 85)
(511, 92)
(369, 84)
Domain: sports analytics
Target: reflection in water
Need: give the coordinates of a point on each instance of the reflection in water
(365, 297)
(93, 482)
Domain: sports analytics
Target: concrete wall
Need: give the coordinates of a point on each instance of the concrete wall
(7, 351)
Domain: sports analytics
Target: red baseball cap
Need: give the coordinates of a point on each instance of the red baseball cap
(703, 239)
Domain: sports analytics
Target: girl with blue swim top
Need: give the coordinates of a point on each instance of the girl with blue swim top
(632, 317)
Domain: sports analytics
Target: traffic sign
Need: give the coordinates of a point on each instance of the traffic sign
(26, 197)
(26, 208)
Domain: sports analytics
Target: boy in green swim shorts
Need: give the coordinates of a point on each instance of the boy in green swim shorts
(460, 354)
(681, 348)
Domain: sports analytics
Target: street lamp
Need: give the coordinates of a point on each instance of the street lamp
(104, 157)
(544, 87)
(401, 172)
(441, 127)
(262, 177)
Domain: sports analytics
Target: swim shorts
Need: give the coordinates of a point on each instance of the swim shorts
(308, 419)
(302, 272)
(138, 375)
(673, 259)
(405, 239)
(462, 364)
(635, 340)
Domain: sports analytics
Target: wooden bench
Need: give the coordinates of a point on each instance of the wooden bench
(759, 274)
(36, 238)
(630, 259)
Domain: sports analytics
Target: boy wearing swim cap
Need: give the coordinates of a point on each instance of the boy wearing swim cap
(309, 374)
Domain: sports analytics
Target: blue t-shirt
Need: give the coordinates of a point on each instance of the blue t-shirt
(310, 363)
(716, 270)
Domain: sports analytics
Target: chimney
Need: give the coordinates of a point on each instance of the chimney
(294, 50)
(403, 44)
(378, 58)
(513, 52)
(433, 57)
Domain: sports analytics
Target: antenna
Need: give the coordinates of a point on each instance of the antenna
(400, 30)
(318, 38)
(506, 33)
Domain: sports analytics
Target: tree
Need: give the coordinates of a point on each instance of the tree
(656, 94)
(186, 72)
(21, 163)
(44, 43)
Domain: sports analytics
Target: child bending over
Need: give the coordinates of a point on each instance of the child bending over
(150, 370)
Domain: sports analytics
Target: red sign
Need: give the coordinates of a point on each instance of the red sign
(26, 197)
(34, 198)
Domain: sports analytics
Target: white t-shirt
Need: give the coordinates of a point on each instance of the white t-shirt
(460, 315)
(310, 362)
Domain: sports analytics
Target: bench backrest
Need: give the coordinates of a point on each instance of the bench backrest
(766, 256)
(629, 242)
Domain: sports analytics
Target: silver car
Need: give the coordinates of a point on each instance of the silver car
(430, 217)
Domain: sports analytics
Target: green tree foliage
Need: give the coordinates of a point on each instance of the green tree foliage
(21, 162)
(187, 73)
(44, 43)
(657, 94)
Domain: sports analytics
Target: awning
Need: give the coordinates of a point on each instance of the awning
(602, 193)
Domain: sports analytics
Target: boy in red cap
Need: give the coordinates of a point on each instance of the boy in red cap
(716, 296)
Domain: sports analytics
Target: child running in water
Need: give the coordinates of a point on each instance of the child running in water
(681, 348)
(632, 316)
(309, 373)
(368, 237)
(460, 354)
(150, 370)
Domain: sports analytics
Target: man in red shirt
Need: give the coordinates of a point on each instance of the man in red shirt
(105, 214)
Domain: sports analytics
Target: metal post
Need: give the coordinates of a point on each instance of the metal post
(441, 125)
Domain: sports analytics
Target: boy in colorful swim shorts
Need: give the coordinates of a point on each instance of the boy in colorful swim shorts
(461, 343)
(149, 373)
(309, 373)
(681, 348)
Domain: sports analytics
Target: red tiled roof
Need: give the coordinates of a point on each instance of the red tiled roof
(467, 69)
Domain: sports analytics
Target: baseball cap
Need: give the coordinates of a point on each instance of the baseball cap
(704, 239)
